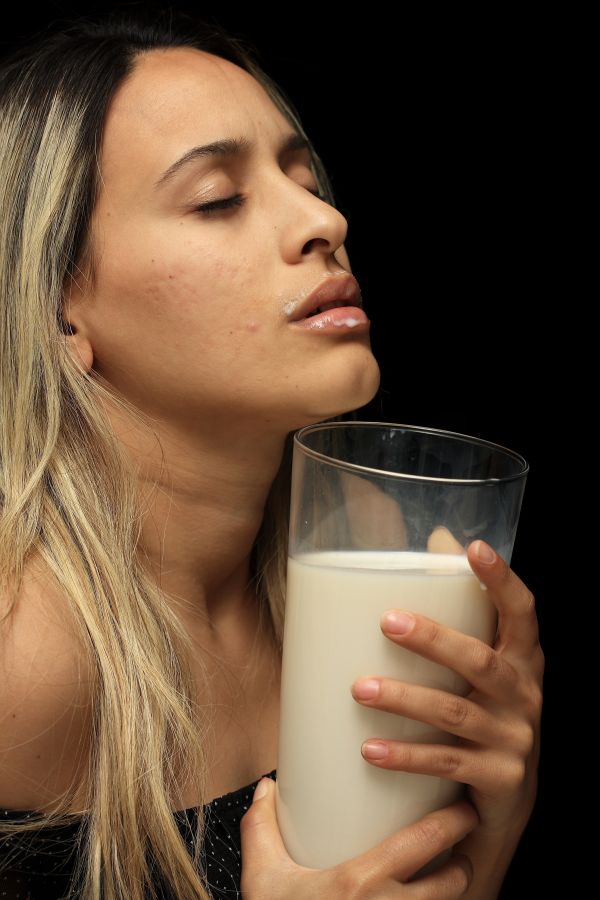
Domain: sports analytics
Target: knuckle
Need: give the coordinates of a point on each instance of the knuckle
(461, 873)
(532, 699)
(431, 632)
(433, 832)
(514, 774)
(350, 883)
(251, 819)
(453, 711)
(484, 660)
(400, 691)
(405, 755)
(527, 739)
(448, 762)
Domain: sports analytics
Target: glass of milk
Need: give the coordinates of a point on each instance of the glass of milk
(381, 517)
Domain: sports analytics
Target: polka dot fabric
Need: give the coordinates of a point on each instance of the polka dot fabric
(40, 864)
(221, 852)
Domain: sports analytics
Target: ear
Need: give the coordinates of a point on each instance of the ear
(77, 341)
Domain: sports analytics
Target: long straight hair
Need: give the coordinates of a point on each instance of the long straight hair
(68, 493)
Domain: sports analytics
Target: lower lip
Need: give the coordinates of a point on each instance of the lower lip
(340, 320)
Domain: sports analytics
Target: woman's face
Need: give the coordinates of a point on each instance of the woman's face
(187, 316)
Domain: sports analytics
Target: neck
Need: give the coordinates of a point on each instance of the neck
(203, 499)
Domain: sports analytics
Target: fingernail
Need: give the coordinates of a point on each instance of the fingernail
(261, 789)
(397, 622)
(367, 689)
(484, 553)
(375, 749)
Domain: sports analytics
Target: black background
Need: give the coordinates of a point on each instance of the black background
(440, 131)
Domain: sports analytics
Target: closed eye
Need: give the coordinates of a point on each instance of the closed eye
(208, 209)
(217, 205)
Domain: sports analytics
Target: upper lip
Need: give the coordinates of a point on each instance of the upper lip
(342, 288)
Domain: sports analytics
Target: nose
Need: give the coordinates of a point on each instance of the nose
(310, 224)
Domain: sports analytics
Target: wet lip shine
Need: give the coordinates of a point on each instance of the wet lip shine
(340, 320)
(346, 316)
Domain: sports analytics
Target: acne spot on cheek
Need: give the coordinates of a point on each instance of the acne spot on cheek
(252, 326)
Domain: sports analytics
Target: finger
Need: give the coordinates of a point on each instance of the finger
(450, 881)
(262, 849)
(481, 666)
(517, 619)
(487, 772)
(448, 712)
(443, 541)
(406, 851)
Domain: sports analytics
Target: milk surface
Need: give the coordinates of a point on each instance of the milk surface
(332, 804)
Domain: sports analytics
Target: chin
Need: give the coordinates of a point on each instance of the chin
(346, 393)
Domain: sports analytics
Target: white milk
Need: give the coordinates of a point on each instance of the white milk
(332, 804)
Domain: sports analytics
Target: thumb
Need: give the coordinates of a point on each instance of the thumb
(263, 850)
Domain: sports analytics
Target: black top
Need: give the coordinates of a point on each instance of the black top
(41, 863)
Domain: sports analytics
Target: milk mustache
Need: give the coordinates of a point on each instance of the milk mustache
(332, 804)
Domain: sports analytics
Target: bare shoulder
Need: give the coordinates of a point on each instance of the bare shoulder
(45, 694)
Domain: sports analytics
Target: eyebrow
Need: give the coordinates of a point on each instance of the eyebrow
(227, 148)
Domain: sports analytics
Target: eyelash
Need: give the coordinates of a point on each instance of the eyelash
(229, 202)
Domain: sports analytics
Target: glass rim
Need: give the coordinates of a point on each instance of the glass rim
(355, 467)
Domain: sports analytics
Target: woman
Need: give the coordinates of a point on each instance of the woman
(164, 221)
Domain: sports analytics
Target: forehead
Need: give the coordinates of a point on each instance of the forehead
(179, 97)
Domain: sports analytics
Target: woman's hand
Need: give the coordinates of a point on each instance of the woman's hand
(382, 873)
(498, 723)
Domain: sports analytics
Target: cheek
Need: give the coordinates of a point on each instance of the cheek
(177, 298)
(222, 298)
(180, 291)
(219, 303)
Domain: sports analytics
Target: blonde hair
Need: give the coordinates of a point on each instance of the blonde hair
(66, 490)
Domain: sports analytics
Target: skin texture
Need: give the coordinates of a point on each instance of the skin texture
(186, 319)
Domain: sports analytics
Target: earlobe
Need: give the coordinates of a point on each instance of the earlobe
(79, 348)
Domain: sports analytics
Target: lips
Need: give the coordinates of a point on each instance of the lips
(334, 291)
(340, 320)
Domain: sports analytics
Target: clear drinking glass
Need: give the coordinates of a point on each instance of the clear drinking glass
(381, 517)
